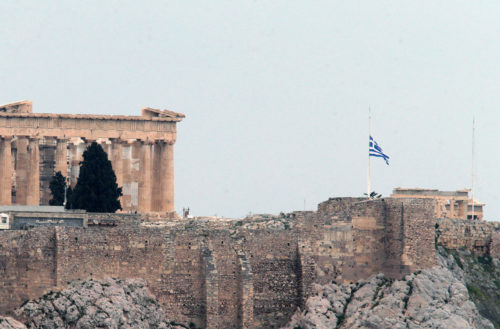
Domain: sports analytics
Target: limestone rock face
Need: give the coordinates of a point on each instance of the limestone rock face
(108, 303)
(10, 323)
(432, 298)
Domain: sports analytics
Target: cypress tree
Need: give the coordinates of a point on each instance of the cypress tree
(69, 195)
(96, 189)
(57, 186)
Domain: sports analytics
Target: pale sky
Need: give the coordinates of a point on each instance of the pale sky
(276, 93)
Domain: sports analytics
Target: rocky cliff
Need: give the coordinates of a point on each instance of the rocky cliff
(432, 298)
(10, 323)
(109, 303)
(481, 275)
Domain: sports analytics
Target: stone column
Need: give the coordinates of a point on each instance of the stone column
(33, 195)
(5, 171)
(126, 200)
(116, 160)
(82, 147)
(61, 157)
(167, 176)
(22, 170)
(452, 208)
(462, 209)
(145, 175)
(135, 173)
(156, 178)
(73, 167)
(106, 147)
(76, 147)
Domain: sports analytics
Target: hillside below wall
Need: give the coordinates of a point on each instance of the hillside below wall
(232, 274)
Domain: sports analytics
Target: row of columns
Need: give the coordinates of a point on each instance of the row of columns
(144, 170)
(27, 171)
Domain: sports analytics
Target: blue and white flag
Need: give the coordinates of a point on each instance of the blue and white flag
(376, 151)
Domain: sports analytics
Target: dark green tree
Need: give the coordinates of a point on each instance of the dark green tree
(69, 194)
(96, 189)
(57, 186)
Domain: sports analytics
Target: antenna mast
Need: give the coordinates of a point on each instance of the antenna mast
(472, 176)
(368, 170)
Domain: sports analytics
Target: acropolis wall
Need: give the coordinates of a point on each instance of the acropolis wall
(33, 146)
(222, 273)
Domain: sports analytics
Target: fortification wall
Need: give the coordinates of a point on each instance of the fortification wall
(27, 265)
(275, 275)
(481, 237)
(495, 244)
(417, 230)
(170, 260)
(230, 274)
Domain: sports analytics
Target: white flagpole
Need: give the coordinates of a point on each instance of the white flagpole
(368, 171)
(473, 146)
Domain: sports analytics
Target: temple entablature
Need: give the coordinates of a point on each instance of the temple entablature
(33, 146)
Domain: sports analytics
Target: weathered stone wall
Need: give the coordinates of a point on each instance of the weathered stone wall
(417, 231)
(276, 275)
(495, 244)
(343, 241)
(170, 260)
(251, 273)
(477, 236)
(27, 265)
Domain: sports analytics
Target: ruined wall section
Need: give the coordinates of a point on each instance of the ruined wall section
(226, 274)
(476, 236)
(170, 261)
(352, 238)
(416, 231)
(273, 259)
(223, 281)
(343, 242)
(368, 223)
(325, 243)
(27, 265)
(495, 243)
(394, 240)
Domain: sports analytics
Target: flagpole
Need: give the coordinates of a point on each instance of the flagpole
(472, 176)
(368, 170)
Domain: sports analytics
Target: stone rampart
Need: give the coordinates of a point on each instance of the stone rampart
(27, 265)
(481, 237)
(250, 273)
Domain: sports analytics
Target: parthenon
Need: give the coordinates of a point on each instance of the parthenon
(33, 146)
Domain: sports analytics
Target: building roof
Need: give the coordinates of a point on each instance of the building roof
(149, 114)
(32, 208)
(430, 192)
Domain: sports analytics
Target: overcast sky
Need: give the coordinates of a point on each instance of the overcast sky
(276, 93)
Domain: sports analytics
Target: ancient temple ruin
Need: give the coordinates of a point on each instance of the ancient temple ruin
(33, 146)
(448, 204)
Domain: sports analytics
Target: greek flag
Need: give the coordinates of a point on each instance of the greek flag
(376, 151)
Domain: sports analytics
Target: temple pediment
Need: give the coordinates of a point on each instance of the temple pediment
(17, 107)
